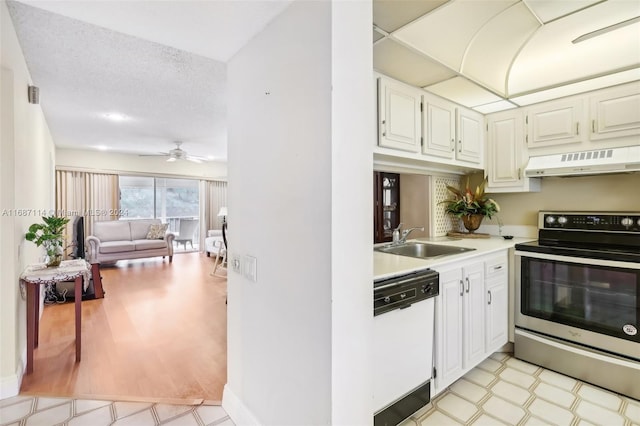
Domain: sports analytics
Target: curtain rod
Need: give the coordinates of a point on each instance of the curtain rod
(146, 174)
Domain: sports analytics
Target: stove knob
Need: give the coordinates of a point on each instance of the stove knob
(626, 222)
(638, 222)
(562, 220)
(427, 288)
(550, 219)
(387, 299)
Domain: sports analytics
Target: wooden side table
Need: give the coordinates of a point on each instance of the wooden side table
(37, 274)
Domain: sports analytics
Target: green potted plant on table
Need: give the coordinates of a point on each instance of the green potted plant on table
(49, 234)
(470, 206)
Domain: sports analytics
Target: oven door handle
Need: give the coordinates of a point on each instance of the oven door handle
(579, 260)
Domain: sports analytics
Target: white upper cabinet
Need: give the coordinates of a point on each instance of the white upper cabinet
(615, 113)
(439, 128)
(470, 136)
(421, 130)
(506, 154)
(399, 115)
(452, 132)
(555, 123)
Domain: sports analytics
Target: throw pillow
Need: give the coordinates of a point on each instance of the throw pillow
(157, 231)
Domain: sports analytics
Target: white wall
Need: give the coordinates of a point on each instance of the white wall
(112, 162)
(299, 338)
(27, 161)
(353, 105)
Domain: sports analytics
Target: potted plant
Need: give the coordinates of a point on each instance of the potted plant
(49, 234)
(470, 206)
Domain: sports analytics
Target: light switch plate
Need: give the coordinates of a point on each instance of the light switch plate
(250, 264)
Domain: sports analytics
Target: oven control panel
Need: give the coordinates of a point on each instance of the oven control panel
(590, 221)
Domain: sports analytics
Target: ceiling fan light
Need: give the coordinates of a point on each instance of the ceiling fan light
(171, 159)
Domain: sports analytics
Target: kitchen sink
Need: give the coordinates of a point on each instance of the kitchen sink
(422, 250)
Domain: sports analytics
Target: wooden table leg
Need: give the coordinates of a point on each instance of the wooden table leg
(78, 302)
(97, 280)
(36, 313)
(31, 322)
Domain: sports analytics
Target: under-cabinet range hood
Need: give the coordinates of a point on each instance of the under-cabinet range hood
(599, 161)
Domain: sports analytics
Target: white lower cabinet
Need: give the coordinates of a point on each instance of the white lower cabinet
(471, 316)
(497, 303)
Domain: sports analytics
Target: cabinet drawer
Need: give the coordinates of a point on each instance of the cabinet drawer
(495, 266)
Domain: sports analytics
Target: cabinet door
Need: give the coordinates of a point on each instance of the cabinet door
(449, 328)
(504, 159)
(616, 113)
(555, 123)
(399, 116)
(470, 136)
(474, 314)
(497, 313)
(439, 126)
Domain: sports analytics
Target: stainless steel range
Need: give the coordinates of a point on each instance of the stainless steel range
(578, 297)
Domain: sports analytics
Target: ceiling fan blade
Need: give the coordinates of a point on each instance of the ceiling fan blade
(160, 154)
(194, 159)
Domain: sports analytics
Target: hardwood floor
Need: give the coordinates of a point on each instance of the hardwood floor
(160, 332)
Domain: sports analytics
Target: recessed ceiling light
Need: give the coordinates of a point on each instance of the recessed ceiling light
(115, 116)
(102, 148)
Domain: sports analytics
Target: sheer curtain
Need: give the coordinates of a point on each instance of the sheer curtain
(92, 195)
(213, 195)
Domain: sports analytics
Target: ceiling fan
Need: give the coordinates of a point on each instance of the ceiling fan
(177, 154)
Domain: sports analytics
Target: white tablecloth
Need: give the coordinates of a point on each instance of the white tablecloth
(69, 270)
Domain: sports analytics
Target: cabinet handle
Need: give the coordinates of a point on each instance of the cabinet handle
(489, 302)
(519, 173)
(453, 144)
(593, 126)
(578, 128)
(497, 268)
(384, 128)
(467, 280)
(461, 288)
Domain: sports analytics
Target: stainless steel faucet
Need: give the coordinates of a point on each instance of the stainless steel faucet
(397, 239)
(396, 235)
(406, 233)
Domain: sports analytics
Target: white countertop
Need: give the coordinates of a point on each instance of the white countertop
(387, 265)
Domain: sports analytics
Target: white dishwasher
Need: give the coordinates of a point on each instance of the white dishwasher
(404, 316)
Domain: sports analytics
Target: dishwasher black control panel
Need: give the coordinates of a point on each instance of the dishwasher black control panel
(402, 291)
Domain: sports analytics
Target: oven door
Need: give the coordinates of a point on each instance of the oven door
(591, 302)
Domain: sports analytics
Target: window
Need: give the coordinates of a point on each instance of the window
(169, 200)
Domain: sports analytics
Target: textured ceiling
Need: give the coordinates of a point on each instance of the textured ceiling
(160, 63)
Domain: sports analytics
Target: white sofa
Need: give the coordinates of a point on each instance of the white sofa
(214, 242)
(113, 240)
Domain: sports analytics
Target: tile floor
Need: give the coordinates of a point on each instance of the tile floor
(500, 391)
(38, 411)
(503, 390)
